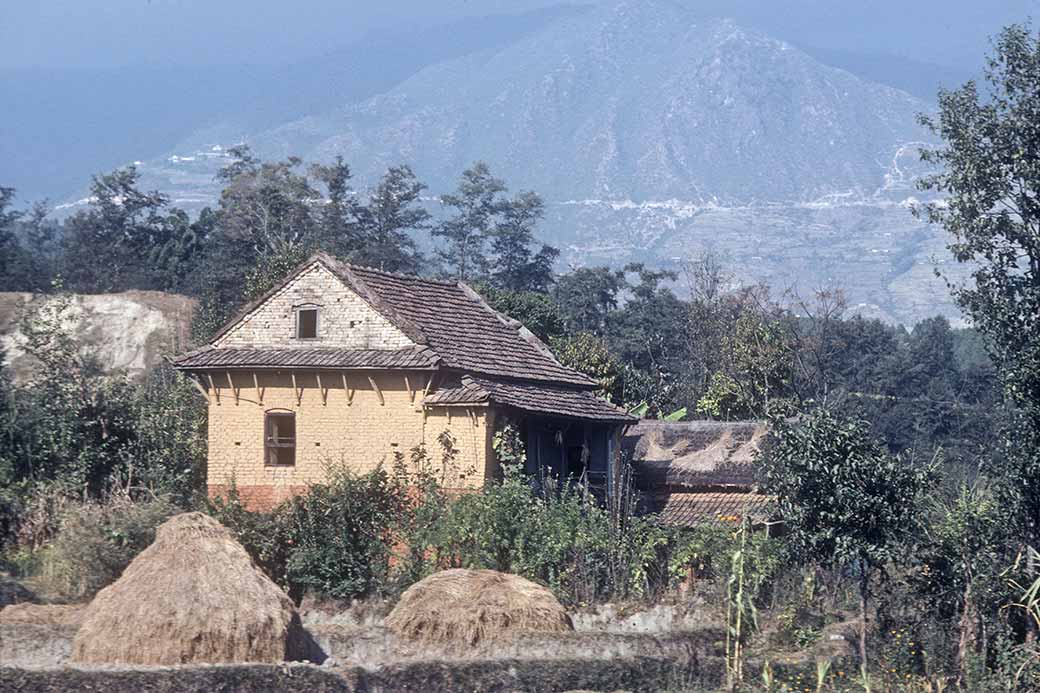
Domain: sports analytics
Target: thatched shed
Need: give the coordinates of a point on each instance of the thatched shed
(461, 608)
(193, 596)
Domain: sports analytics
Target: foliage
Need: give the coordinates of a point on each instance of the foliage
(389, 220)
(97, 539)
(341, 533)
(489, 238)
(988, 178)
(589, 354)
(534, 310)
(846, 502)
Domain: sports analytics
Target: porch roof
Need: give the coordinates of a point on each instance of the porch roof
(532, 397)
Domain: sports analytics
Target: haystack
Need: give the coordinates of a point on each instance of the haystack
(193, 596)
(461, 608)
(43, 614)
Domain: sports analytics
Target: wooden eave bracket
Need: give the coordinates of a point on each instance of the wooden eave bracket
(298, 391)
(348, 390)
(213, 387)
(199, 386)
(259, 390)
(231, 384)
(375, 387)
(324, 391)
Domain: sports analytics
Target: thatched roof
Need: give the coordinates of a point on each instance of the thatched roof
(461, 608)
(694, 454)
(193, 596)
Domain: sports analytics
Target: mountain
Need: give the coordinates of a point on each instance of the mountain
(656, 134)
(62, 125)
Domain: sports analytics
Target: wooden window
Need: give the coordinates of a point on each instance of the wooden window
(280, 439)
(307, 322)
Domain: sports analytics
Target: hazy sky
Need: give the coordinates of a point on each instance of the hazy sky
(104, 33)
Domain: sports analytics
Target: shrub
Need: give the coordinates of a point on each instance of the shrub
(96, 540)
(335, 540)
(558, 535)
(341, 533)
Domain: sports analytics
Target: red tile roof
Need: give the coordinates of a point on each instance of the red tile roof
(716, 507)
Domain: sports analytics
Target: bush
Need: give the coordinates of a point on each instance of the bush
(335, 540)
(559, 536)
(341, 533)
(96, 540)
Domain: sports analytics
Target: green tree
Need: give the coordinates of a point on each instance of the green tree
(8, 242)
(587, 296)
(647, 334)
(338, 231)
(268, 204)
(108, 246)
(392, 215)
(588, 354)
(476, 205)
(514, 266)
(990, 183)
(535, 311)
(846, 502)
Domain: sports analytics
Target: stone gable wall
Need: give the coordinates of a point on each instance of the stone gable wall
(362, 434)
(345, 319)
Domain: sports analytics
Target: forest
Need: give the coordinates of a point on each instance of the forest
(903, 459)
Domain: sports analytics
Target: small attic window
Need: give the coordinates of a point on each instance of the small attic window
(307, 322)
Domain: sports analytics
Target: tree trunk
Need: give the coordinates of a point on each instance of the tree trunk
(967, 639)
(863, 588)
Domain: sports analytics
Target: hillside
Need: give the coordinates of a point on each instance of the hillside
(655, 135)
(129, 332)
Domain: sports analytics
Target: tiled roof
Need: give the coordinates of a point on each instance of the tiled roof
(459, 330)
(537, 398)
(228, 357)
(689, 509)
(465, 331)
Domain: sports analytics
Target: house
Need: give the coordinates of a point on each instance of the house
(698, 472)
(351, 365)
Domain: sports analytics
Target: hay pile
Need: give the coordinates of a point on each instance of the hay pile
(193, 596)
(43, 614)
(460, 608)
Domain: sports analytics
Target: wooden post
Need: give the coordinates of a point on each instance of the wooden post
(379, 393)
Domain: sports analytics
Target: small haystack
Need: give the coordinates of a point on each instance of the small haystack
(43, 614)
(193, 596)
(461, 608)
